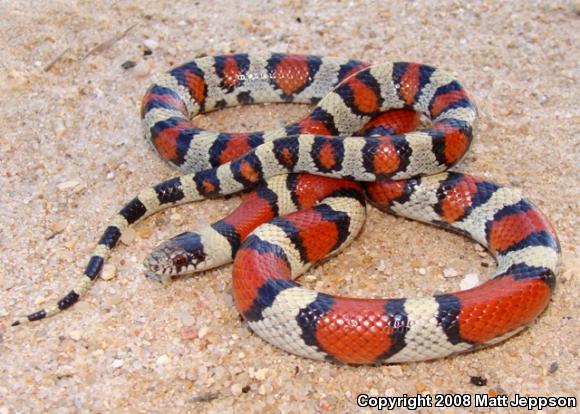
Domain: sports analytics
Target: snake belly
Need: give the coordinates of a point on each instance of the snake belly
(402, 173)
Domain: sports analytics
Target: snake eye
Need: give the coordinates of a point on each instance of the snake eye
(180, 261)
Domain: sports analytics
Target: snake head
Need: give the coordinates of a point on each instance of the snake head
(179, 256)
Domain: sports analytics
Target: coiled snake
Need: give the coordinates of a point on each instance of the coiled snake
(361, 142)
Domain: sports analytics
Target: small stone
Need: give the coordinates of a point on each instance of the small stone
(203, 332)
(261, 374)
(79, 188)
(67, 185)
(236, 390)
(128, 64)
(422, 271)
(70, 244)
(65, 371)
(75, 335)
(420, 387)
(162, 360)
(383, 267)
(553, 367)
(128, 236)
(246, 22)
(186, 319)
(228, 300)
(188, 333)
(59, 128)
(449, 272)
(141, 69)
(310, 278)
(479, 381)
(57, 227)
(150, 43)
(39, 301)
(414, 263)
(368, 260)
(469, 281)
(176, 218)
(117, 363)
(113, 300)
(208, 396)
(109, 272)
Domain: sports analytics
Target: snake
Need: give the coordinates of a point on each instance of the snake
(384, 135)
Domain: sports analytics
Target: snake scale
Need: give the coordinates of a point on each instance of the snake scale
(311, 179)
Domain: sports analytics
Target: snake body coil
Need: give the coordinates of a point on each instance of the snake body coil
(361, 142)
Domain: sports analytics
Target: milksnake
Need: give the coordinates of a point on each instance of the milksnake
(361, 141)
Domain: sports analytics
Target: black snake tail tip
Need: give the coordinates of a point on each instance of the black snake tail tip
(15, 323)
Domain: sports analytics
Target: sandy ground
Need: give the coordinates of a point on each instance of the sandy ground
(72, 154)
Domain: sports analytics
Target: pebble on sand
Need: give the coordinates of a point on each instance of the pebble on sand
(450, 272)
(469, 281)
(109, 271)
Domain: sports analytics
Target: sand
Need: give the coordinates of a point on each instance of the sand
(73, 153)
